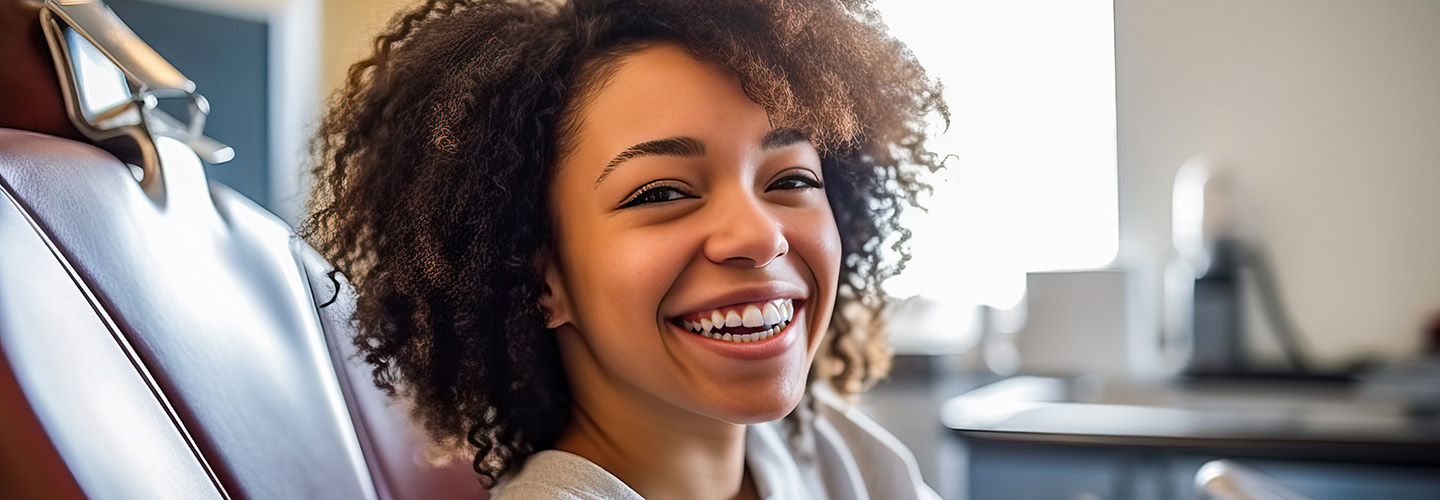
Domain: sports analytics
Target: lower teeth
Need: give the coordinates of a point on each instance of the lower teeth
(749, 337)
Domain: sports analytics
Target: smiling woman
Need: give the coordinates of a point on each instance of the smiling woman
(606, 248)
(725, 234)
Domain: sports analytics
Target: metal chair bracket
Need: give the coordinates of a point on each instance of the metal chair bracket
(113, 84)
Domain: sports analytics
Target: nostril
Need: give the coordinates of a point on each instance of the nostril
(746, 235)
(751, 262)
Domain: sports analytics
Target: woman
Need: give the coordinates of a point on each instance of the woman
(605, 247)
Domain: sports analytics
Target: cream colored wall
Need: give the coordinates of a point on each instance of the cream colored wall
(1328, 114)
(348, 27)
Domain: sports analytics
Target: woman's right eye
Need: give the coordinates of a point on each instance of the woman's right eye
(657, 192)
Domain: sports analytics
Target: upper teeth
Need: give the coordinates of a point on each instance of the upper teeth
(770, 315)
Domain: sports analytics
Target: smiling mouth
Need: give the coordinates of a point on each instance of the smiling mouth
(741, 323)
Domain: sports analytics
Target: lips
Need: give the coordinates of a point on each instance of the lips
(740, 323)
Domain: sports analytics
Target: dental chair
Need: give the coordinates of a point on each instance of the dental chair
(1229, 480)
(162, 336)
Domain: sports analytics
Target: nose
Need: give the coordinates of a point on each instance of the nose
(745, 234)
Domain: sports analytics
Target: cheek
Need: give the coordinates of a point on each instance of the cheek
(821, 243)
(817, 243)
(623, 276)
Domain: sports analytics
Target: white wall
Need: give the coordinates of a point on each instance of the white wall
(1327, 113)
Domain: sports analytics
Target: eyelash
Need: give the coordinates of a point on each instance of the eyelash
(645, 195)
(640, 196)
(807, 182)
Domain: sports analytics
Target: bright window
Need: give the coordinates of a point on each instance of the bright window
(1032, 186)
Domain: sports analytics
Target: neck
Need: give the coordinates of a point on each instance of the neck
(656, 449)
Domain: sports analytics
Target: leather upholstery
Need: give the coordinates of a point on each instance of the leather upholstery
(170, 346)
(218, 309)
(392, 444)
(92, 423)
(207, 300)
(214, 305)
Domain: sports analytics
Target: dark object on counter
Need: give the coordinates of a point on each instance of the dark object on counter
(1218, 346)
(1433, 349)
(1219, 335)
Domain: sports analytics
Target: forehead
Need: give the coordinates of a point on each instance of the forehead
(662, 91)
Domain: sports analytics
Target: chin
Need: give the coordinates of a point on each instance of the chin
(760, 405)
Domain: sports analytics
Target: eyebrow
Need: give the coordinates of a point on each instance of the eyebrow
(782, 137)
(690, 147)
(685, 147)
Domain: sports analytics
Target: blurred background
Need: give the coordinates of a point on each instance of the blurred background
(1169, 232)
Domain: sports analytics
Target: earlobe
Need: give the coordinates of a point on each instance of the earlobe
(554, 301)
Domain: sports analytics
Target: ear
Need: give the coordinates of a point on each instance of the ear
(555, 301)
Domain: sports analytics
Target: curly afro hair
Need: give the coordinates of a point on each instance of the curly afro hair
(434, 159)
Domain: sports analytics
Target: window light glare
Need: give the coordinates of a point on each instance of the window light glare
(1032, 184)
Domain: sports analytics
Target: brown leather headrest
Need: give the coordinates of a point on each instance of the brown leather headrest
(29, 89)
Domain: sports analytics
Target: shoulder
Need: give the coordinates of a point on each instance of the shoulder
(859, 432)
(844, 449)
(526, 490)
(557, 475)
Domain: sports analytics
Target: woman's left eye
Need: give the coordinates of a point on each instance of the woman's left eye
(796, 180)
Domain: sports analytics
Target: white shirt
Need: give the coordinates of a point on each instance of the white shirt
(826, 450)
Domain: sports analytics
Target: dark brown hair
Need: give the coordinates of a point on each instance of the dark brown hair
(434, 160)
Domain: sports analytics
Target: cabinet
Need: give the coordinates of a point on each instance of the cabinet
(1012, 469)
(1036, 437)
